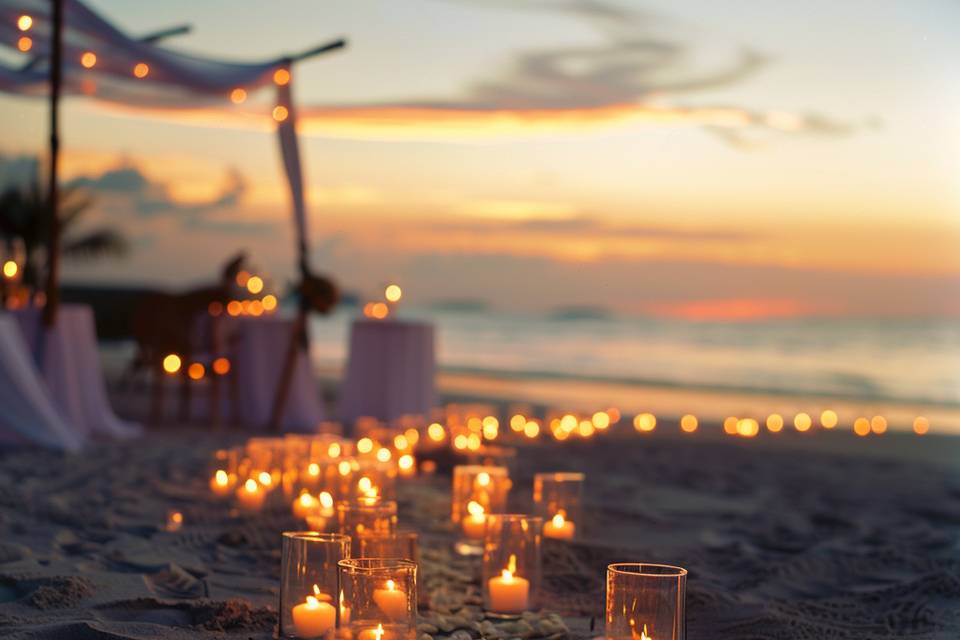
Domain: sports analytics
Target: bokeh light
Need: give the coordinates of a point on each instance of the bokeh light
(24, 22)
(774, 423)
(171, 363)
(861, 426)
(802, 422)
(24, 44)
(689, 423)
(829, 419)
(141, 70)
(254, 284)
(195, 371)
(280, 113)
(281, 77)
(645, 422)
(921, 425)
(238, 95)
(221, 366)
(10, 269)
(878, 424)
(393, 293)
(730, 425)
(88, 59)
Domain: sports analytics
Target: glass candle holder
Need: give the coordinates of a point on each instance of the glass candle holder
(366, 517)
(309, 584)
(646, 601)
(477, 492)
(511, 564)
(378, 598)
(400, 544)
(223, 472)
(557, 498)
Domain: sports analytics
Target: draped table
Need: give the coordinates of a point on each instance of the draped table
(69, 362)
(390, 370)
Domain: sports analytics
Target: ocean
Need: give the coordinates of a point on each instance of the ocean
(910, 361)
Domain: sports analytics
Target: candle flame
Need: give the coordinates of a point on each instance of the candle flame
(391, 585)
(365, 484)
(222, 478)
(507, 574)
(313, 469)
(378, 633)
(250, 486)
(475, 509)
(306, 499)
(312, 603)
(265, 478)
(483, 478)
(558, 520)
(326, 500)
(344, 468)
(316, 591)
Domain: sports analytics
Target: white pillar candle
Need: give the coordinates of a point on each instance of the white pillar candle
(559, 527)
(474, 524)
(304, 505)
(314, 618)
(509, 593)
(391, 601)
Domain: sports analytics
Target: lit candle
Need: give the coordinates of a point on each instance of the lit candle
(509, 593)
(313, 618)
(391, 601)
(474, 525)
(304, 505)
(221, 483)
(373, 634)
(559, 527)
(250, 496)
(407, 466)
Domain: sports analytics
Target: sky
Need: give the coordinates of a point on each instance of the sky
(697, 159)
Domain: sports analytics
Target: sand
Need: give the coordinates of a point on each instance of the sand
(789, 536)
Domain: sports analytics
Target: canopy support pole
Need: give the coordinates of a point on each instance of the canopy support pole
(53, 193)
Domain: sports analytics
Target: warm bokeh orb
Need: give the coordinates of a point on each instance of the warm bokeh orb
(141, 70)
(861, 427)
(364, 445)
(829, 419)
(689, 423)
(518, 422)
(280, 113)
(171, 363)
(878, 424)
(221, 366)
(24, 44)
(774, 423)
(10, 269)
(645, 422)
(88, 60)
(802, 422)
(921, 425)
(281, 77)
(730, 425)
(24, 23)
(436, 432)
(196, 371)
(269, 302)
(601, 420)
(238, 95)
(531, 429)
(393, 293)
(254, 284)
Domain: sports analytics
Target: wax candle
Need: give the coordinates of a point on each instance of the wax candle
(313, 618)
(474, 524)
(391, 600)
(221, 483)
(559, 527)
(509, 593)
(250, 495)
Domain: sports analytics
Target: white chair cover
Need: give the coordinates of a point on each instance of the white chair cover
(390, 370)
(28, 415)
(72, 372)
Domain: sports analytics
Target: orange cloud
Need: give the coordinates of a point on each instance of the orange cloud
(737, 309)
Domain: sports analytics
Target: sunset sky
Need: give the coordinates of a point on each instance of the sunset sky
(696, 159)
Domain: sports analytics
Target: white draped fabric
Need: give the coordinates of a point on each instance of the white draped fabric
(71, 369)
(28, 415)
(390, 370)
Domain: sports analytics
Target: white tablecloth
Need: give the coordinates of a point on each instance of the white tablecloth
(390, 372)
(260, 351)
(28, 415)
(71, 370)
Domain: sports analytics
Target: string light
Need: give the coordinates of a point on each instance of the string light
(393, 293)
(878, 424)
(828, 419)
(238, 95)
(645, 422)
(280, 113)
(802, 422)
(861, 427)
(196, 371)
(688, 423)
(921, 425)
(281, 77)
(88, 59)
(221, 366)
(774, 423)
(24, 23)
(24, 44)
(141, 70)
(171, 363)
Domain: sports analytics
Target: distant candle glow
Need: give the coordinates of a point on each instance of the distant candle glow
(878, 424)
(383, 454)
(24, 44)
(436, 432)
(829, 419)
(281, 77)
(171, 363)
(24, 23)
(334, 450)
(861, 426)
(10, 269)
(400, 442)
(265, 478)
(280, 113)
(221, 366)
(921, 425)
(774, 423)
(531, 429)
(141, 70)
(365, 445)
(393, 293)
(802, 422)
(645, 422)
(196, 371)
(238, 95)
(88, 60)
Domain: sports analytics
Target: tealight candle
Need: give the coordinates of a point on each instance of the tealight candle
(391, 601)
(475, 523)
(559, 527)
(508, 592)
(314, 617)
(221, 483)
(250, 496)
(373, 634)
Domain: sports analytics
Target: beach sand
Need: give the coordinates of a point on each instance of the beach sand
(791, 536)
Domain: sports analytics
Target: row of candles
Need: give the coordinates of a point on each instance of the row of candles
(344, 491)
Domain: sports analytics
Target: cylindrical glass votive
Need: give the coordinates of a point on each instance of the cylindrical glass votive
(378, 599)
(366, 517)
(309, 583)
(511, 563)
(477, 491)
(646, 601)
(400, 544)
(557, 498)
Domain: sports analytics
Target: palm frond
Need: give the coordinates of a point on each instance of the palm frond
(95, 244)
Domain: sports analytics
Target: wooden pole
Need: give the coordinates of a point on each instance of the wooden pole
(53, 193)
